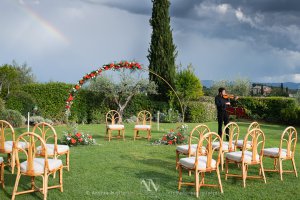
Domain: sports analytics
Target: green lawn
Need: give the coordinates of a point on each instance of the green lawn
(115, 170)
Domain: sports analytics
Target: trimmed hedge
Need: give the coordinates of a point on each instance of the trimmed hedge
(20, 101)
(199, 112)
(271, 109)
(50, 98)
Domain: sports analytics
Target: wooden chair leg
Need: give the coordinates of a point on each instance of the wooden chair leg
(294, 166)
(149, 135)
(244, 174)
(68, 160)
(280, 168)
(109, 135)
(16, 186)
(226, 169)
(197, 183)
(219, 178)
(134, 135)
(123, 133)
(2, 175)
(32, 182)
(177, 159)
(180, 177)
(61, 179)
(45, 188)
(222, 160)
(263, 171)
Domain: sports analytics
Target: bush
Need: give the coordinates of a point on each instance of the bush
(199, 112)
(50, 98)
(14, 117)
(2, 105)
(20, 101)
(272, 109)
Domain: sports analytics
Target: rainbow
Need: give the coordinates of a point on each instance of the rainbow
(43, 22)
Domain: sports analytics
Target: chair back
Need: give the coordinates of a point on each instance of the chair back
(5, 129)
(196, 134)
(288, 141)
(233, 135)
(144, 118)
(257, 138)
(112, 117)
(206, 141)
(48, 133)
(33, 140)
(253, 125)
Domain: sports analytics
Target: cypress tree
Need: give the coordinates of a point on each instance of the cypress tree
(162, 51)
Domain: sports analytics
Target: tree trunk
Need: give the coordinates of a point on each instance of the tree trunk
(121, 111)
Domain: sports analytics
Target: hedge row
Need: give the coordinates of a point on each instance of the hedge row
(272, 109)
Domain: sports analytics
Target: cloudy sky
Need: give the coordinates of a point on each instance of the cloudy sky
(224, 39)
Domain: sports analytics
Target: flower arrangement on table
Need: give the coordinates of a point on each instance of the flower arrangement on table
(74, 138)
(174, 137)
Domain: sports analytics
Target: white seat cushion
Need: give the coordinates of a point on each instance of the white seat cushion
(116, 126)
(50, 149)
(275, 152)
(202, 160)
(39, 164)
(1, 160)
(237, 156)
(185, 148)
(142, 127)
(241, 142)
(225, 145)
(8, 145)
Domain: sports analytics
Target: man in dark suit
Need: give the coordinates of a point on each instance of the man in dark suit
(221, 104)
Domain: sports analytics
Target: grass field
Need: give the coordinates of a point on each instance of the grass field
(116, 170)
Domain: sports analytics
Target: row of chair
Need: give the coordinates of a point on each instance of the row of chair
(41, 151)
(252, 150)
(113, 123)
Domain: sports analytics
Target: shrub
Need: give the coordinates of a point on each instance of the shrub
(14, 117)
(272, 109)
(2, 105)
(50, 98)
(174, 137)
(20, 101)
(199, 112)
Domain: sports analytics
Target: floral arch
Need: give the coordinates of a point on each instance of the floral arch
(106, 67)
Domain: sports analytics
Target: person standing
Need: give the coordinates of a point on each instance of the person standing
(221, 104)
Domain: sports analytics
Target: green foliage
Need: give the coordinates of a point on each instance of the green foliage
(2, 105)
(239, 86)
(20, 101)
(188, 85)
(13, 76)
(14, 117)
(278, 92)
(199, 112)
(272, 109)
(162, 51)
(50, 98)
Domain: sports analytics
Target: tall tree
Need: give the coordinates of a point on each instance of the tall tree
(162, 51)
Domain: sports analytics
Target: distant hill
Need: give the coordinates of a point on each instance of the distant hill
(290, 85)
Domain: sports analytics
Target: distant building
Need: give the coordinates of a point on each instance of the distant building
(260, 90)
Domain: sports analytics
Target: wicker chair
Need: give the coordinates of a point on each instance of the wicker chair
(7, 146)
(48, 133)
(247, 157)
(143, 123)
(201, 164)
(286, 151)
(113, 124)
(34, 167)
(191, 147)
